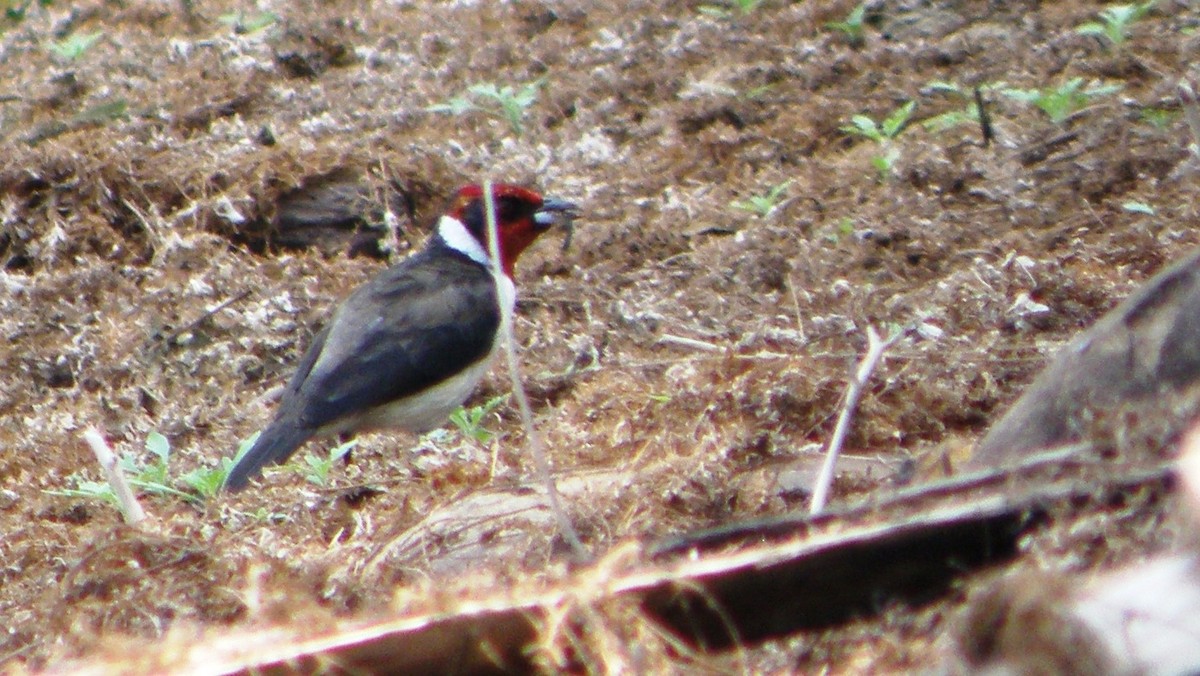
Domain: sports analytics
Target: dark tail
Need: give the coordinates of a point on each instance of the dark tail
(275, 445)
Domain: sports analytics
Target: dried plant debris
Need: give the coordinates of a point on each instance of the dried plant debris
(187, 191)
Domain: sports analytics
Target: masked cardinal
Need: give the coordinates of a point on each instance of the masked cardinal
(409, 346)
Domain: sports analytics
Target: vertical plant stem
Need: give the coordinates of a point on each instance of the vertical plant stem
(130, 509)
(1191, 113)
(533, 441)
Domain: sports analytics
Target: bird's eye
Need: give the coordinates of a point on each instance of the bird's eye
(508, 209)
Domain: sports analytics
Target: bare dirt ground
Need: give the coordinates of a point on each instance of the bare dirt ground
(677, 352)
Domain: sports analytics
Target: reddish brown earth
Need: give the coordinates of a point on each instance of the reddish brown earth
(145, 284)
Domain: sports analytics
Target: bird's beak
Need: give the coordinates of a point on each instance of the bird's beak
(555, 211)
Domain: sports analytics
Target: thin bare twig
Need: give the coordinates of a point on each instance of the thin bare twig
(669, 339)
(875, 349)
(533, 441)
(1191, 113)
(126, 500)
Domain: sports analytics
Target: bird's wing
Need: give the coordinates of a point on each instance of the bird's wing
(412, 326)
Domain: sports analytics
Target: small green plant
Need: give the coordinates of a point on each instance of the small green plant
(762, 205)
(249, 24)
(153, 477)
(74, 46)
(756, 93)
(883, 134)
(730, 8)
(1115, 22)
(853, 26)
(507, 102)
(967, 115)
(317, 467)
(469, 421)
(1159, 118)
(208, 481)
(1059, 103)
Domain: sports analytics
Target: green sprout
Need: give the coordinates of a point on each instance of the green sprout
(208, 481)
(1159, 118)
(968, 114)
(318, 467)
(507, 102)
(469, 421)
(249, 24)
(74, 46)
(763, 205)
(153, 477)
(730, 8)
(1116, 21)
(853, 26)
(756, 93)
(1059, 103)
(882, 133)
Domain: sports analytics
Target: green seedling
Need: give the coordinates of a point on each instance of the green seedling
(249, 24)
(469, 421)
(1115, 22)
(1159, 118)
(154, 477)
(318, 468)
(507, 102)
(89, 490)
(1059, 103)
(730, 8)
(882, 133)
(885, 163)
(762, 205)
(853, 26)
(755, 93)
(969, 114)
(74, 46)
(208, 481)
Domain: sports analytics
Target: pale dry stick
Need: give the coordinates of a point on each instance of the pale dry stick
(128, 503)
(533, 441)
(1191, 113)
(875, 349)
(669, 339)
(796, 306)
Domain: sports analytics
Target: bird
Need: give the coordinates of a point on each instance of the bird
(410, 345)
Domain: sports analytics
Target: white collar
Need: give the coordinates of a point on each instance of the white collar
(457, 237)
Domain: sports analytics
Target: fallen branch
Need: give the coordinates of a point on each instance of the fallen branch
(126, 500)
